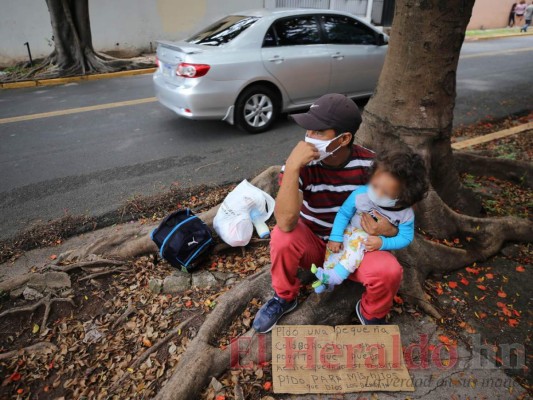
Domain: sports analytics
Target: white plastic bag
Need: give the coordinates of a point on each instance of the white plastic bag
(233, 222)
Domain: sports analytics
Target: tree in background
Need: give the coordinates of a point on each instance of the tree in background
(73, 47)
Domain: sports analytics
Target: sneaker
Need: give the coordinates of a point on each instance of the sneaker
(365, 321)
(271, 312)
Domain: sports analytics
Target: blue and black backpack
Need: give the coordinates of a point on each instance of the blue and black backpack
(183, 239)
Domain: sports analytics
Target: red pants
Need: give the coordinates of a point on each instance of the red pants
(379, 271)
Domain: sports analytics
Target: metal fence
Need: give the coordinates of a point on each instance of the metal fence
(303, 3)
(356, 7)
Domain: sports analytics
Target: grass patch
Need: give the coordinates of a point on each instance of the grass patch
(492, 32)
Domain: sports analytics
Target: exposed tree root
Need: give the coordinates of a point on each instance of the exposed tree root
(98, 263)
(94, 63)
(14, 283)
(37, 348)
(424, 257)
(203, 360)
(103, 273)
(142, 358)
(519, 172)
(120, 320)
(47, 301)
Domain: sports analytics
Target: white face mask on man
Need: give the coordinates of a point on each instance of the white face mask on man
(321, 146)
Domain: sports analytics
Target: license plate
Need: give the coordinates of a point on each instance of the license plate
(168, 70)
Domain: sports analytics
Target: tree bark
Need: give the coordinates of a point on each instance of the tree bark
(519, 172)
(415, 96)
(73, 48)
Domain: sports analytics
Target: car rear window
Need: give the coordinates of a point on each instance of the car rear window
(223, 31)
(345, 30)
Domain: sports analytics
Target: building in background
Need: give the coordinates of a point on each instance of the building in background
(129, 27)
(491, 14)
(486, 14)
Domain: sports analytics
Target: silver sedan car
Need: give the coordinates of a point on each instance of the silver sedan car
(250, 67)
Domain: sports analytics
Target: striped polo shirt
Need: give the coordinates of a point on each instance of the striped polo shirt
(325, 188)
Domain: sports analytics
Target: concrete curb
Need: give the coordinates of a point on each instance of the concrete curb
(476, 38)
(489, 137)
(62, 81)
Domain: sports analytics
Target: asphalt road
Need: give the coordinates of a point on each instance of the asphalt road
(91, 162)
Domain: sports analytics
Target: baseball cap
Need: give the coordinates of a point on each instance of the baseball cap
(331, 111)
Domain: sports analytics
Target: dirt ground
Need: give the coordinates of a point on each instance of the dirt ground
(85, 369)
(489, 298)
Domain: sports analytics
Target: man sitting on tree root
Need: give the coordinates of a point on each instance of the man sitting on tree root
(316, 179)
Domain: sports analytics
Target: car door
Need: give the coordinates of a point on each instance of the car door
(356, 57)
(293, 52)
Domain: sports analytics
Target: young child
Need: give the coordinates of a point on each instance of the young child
(397, 181)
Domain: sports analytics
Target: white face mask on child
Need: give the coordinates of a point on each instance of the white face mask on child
(382, 201)
(321, 146)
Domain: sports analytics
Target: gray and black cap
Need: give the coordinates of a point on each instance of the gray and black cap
(331, 111)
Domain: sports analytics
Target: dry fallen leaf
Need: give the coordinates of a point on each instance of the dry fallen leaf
(474, 271)
(513, 322)
(15, 377)
(446, 340)
(398, 300)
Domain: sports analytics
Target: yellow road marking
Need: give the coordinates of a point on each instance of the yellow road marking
(492, 136)
(495, 53)
(77, 110)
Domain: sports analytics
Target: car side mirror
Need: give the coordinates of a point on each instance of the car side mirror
(381, 40)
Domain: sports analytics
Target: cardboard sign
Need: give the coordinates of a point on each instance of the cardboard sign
(344, 359)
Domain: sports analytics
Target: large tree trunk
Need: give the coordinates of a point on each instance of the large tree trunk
(415, 97)
(73, 53)
(412, 107)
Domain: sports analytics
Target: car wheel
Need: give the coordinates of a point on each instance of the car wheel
(256, 109)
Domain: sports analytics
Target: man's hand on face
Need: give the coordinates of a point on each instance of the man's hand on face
(302, 154)
(334, 247)
(380, 227)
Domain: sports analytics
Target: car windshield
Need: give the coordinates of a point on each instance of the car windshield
(223, 31)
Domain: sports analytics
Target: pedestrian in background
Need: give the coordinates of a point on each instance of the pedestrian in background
(511, 16)
(519, 11)
(528, 14)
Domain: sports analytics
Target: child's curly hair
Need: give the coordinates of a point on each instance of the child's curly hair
(409, 168)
